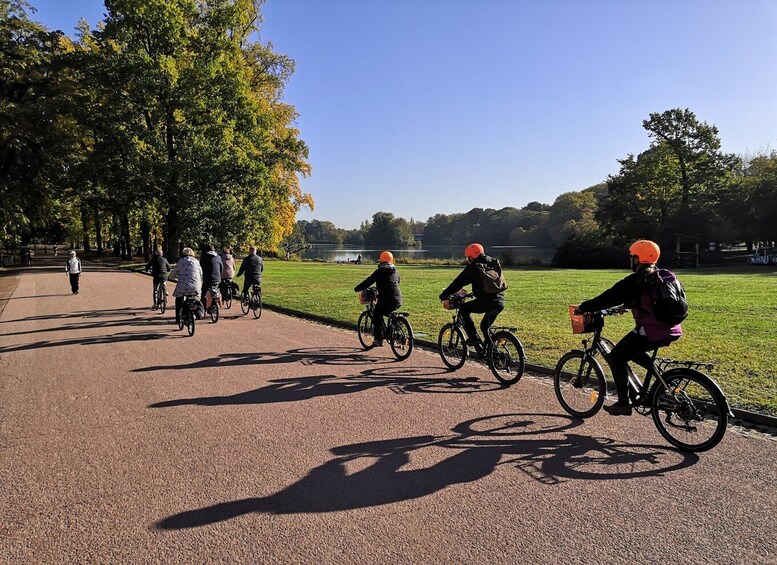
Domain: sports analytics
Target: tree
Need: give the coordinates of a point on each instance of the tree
(388, 231)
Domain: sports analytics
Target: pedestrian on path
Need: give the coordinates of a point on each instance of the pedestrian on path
(73, 269)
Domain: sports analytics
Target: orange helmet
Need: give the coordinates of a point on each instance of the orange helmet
(387, 257)
(473, 251)
(645, 251)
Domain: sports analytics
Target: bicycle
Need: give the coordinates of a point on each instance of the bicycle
(215, 298)
(187, 317)
(226, 293)
(161, 297)
(683, 401)
(253, 302)
(399, 332)
(502, 351)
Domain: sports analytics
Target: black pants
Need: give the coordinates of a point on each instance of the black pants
(74, 281)
(633, 347)
(378, 322)
(248, 283)
(490, 308)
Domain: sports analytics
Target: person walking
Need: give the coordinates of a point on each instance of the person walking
(73, 270)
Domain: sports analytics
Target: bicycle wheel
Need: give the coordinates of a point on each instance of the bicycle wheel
(507, 361)
(190, 324)
(365, 330)
(181, 321)
(580, 384)
(401, 338)
(452, 346)
(257, 305)
(214, 312)
(227, 299)
(245, 305)
(690, 412)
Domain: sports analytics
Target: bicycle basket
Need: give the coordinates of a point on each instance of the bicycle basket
(584, 323)
(368, 295)
(454, 301)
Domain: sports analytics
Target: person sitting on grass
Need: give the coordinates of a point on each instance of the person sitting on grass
(386, 279)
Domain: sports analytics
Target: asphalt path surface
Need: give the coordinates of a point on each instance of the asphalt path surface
(280, 441)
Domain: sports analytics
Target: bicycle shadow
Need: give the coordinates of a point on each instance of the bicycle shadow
(299, 389)
(80, 314)
(305, 356)
(120, 337)
(372, 474)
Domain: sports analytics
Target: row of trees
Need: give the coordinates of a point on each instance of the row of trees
(683, 184)
(166, 120)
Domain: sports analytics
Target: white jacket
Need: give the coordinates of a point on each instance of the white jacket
(73, 266)
(189, 274)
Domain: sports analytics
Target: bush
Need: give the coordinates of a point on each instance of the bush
(577, 255)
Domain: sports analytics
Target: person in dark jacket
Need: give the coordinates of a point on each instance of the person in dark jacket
(490, 305)
(252, 267)
(648, 334)
(160, 271)
(386, 279)
(211, 264)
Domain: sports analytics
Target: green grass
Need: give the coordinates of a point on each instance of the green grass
(733, 320)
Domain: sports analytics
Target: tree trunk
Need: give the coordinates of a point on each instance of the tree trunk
(86, 224)
(173, 245)
(125, 236)
(98, 231)
(145, 234)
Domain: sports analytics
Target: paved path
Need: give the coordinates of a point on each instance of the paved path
(279, 441)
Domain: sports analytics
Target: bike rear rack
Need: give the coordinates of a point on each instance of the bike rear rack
(663, 364)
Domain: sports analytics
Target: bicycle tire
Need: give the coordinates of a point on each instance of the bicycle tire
(214, 312)
(452, 346)
(163, 305)
(701, 402)
(227, 299)
(365, 331)
(401, 341)
(507, 360)
(191, 325)
(580, 387)
(245, 306)
(257, 306)
(181, 321)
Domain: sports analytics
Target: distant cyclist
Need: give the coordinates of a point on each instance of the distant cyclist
(252, 267)
(160, 270)
(189, 276)
(386, 279)
(211, 264)
(649, 333)
(484, 273)
(228, 260)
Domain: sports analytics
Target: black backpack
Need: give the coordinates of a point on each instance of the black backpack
(491, 274)
(668, 297)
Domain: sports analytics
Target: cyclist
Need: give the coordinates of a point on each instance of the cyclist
(160, 270)
(189, 279)
(648, 334)
(211, 264)
(386, 279)
(490, 304)
(228, 260)
(252, 266)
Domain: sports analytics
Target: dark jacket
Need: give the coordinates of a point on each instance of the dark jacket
(159, 267)
(471, 275)
(211, 269)
(386, 279)
(252, 266)
(634, 292)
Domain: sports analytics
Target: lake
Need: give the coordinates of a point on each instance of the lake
(520, 254)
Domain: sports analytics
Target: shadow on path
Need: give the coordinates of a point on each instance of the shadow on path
(304, 388)
(478, 447)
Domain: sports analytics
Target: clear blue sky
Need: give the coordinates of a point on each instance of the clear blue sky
(424, 106)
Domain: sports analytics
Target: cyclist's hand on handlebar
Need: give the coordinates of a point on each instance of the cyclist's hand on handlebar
(621, 309)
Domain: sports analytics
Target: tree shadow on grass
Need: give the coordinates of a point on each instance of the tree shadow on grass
(376, 473)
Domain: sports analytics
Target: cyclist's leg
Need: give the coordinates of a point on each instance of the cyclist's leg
(490, 315)
(466, 310)
(633, 347)
(378, 319)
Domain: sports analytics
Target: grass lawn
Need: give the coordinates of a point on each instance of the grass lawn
(733, 319)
